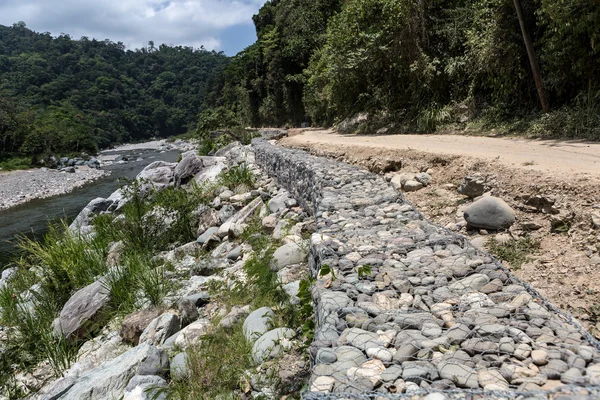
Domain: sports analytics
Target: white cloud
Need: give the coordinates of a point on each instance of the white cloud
(134, 22)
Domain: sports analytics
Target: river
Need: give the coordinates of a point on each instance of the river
(32, 218)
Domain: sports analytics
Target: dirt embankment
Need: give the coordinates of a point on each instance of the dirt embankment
(563, 178)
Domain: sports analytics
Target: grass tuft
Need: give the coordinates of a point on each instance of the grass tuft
(516, 252)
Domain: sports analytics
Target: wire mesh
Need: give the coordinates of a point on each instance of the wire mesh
(410, 309)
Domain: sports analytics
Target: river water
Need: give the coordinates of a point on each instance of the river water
(32, 218)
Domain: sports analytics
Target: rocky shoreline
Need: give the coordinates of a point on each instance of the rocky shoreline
(18, 187)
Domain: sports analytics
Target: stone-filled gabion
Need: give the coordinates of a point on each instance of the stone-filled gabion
(413, 310)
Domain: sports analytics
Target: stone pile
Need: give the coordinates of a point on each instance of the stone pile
(147, 349)
(404, 307)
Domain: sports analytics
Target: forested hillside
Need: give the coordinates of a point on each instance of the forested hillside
(416, 65)
(60, 95)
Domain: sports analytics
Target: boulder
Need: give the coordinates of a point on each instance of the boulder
(490, 213)
(236, 314)
(213, 166)
(134, 324)
(109, 380)
(351, 124)
(257, 323)
(277, 203)
(83, 313)
(236, 225)
(462, 375)
(272, 343)
(187, 168)
(160, 329)
(160, 174)
(146, 387)
(423, 178)
(289, 254)
(80, 224)
(192, 333)
(179, 367)
(207, 234)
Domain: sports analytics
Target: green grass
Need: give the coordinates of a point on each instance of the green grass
(15, 163)
(63, 263)
(217, 366)
(516, 252)
(238, 176)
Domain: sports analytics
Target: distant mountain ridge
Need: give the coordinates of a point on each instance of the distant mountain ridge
(60, 95)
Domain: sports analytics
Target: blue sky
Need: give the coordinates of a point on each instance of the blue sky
(223, 25)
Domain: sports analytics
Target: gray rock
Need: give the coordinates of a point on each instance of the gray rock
(554, 369)
(207, 234)
(277, 203)
(84, 312)
(236, 225)
(179, 368)
(412, 186)
(470, 283)
(257, 323)
(235, 253)
(188, 312)
(160, 329)
(473, 186)
(326, 356)
(84, 218)
(272, 343)
(187, 168)
(289, 254)
(58, 388)
(236, 314)
(199, 299)
(146, 387)
(110, 379)
(158, 174)
(418, 371)
(490, 213)
(391, 373)
(406, 352)
(572, 376)
(462, 375)
(423, 178)
(361, 339)
(156, 363)
(292, 289)
(191, 334)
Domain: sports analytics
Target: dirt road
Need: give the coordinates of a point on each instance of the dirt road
(562, 264)
(558, 157)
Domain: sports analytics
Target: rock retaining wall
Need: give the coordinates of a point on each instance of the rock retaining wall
(410, 309)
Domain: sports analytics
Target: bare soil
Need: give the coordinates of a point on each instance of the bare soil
(566, 173)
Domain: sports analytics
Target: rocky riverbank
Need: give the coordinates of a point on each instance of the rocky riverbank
(18, 187)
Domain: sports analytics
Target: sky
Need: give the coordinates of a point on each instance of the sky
(222, 25)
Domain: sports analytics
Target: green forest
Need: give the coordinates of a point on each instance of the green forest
(408, 66)
(63, 96)
(416, 66)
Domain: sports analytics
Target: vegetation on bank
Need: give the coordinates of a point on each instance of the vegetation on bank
(64, 96)
(417, 66)
(122, 252)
